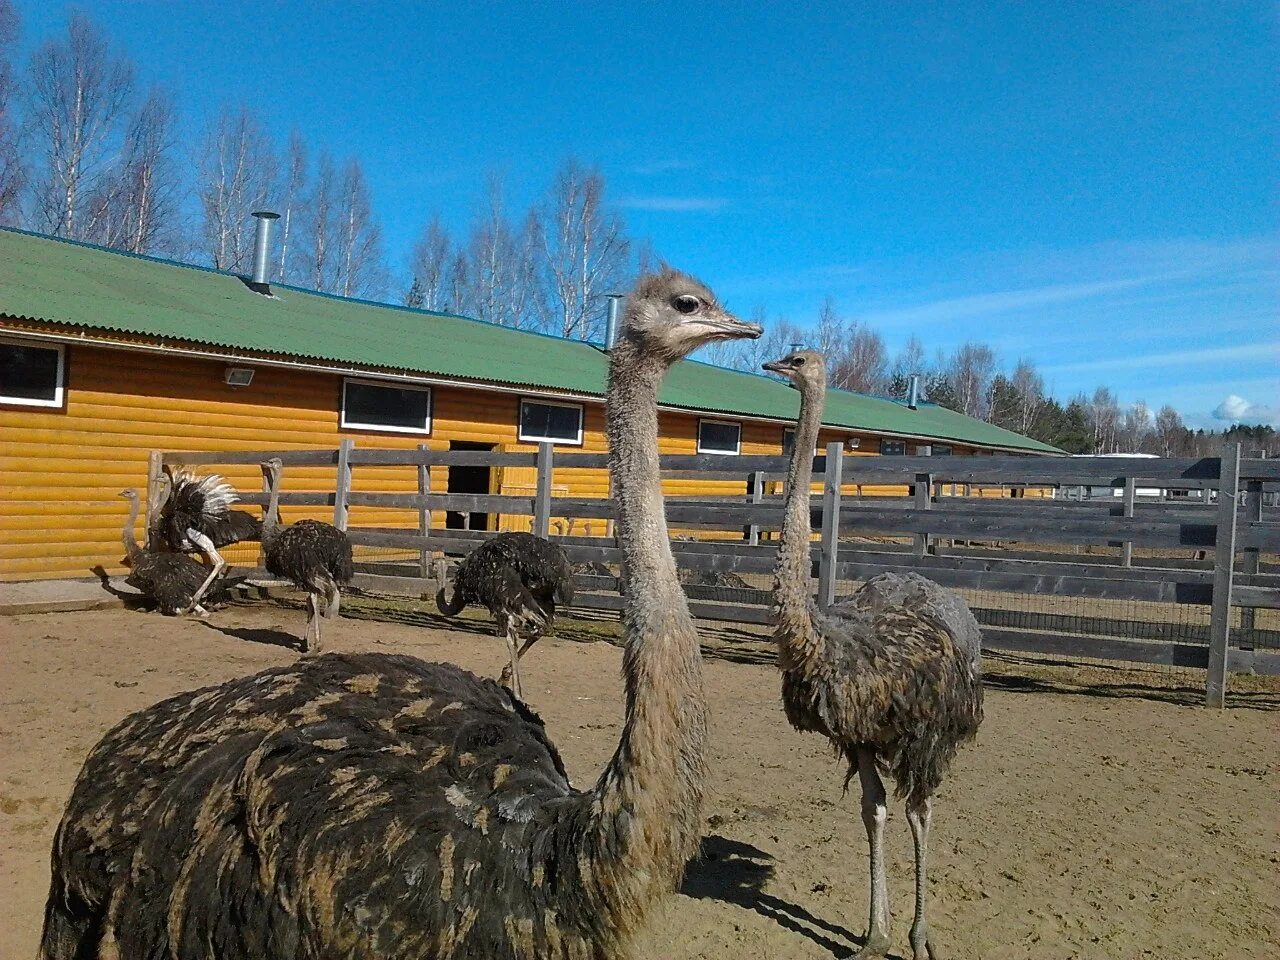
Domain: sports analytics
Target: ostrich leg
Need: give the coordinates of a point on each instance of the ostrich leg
(210, 553)
(313, 624)
(875, 814)
(920, 816)
(511, 672)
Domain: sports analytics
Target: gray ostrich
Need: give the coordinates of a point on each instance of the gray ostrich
(196, 517)
(314, 556)
(890, 676)
(376, 806)
(170, 580)
(520, 578)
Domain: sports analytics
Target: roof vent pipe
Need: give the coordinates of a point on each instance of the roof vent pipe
(611, 319)
(261, 249)
(913, 392)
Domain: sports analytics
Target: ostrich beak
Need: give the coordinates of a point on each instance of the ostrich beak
(726, 326)
(775, 366)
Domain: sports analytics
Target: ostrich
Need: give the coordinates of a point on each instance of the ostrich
(520, 578)
(891, 676)
(374, 805)
(169, 579)
(196, 517)
(313, 555)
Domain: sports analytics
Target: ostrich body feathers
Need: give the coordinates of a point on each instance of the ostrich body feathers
(898, 671)
(350, 806)
(204, 504)
(310, 554)
(515, 575)
(169, 579)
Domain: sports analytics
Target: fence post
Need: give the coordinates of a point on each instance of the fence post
(1130, 496)
(424, 513)
(542, 494)
(757, 496)
(154, 486)
(830, 525)
(1249, 564)
(1215, 694)
(922, 495)
(342, 488)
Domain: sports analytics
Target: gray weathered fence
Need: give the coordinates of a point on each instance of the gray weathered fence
(961, 541)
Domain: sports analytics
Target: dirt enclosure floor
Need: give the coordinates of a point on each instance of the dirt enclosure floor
(1100, 814)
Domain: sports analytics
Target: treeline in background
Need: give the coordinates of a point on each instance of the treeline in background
(87, 154)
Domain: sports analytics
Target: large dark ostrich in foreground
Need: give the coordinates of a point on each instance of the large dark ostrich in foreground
(520, 578)
(196, 517)
(890, 676)
(376, 806)
(170, 580)
(314, 556)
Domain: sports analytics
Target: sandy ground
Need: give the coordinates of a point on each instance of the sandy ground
(1099, 815)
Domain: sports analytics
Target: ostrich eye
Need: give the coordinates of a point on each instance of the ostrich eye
(799, 361)
(686, 303)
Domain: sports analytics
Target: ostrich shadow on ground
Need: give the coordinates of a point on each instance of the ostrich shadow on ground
(267, 636)
(735, 872)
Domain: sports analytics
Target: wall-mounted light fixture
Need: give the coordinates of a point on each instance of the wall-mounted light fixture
(853, 443)
(238, 376)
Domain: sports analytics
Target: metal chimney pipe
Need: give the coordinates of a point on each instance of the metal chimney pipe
(913, 394)
(261, 250)
(612, 319)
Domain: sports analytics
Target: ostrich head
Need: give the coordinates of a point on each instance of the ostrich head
(273, 465)
(806, 370)
(670, 314)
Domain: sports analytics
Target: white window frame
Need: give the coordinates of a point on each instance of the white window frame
(723, 423)
(60, 390)
(534, 438)
(346, 424)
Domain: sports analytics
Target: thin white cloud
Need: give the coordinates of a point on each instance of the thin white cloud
(1007, 301)
(1231, 408)
(1252, 351)
(666, 204)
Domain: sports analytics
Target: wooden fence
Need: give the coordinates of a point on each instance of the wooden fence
(1207, 552)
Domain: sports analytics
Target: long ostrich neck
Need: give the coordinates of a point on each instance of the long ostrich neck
(271, 522)
(646, 810)
(797, 639)
(131, 548)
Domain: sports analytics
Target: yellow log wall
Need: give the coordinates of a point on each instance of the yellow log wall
(60, 470)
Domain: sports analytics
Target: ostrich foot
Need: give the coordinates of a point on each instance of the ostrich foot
(197, 612)
(876, 948)
(921, 948)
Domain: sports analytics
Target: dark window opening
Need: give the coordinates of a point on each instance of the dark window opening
(893, 448)
(550, 422)
(715, 436)
(378, 406)
(31, 376)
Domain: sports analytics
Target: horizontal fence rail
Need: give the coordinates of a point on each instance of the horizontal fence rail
(1017, 526)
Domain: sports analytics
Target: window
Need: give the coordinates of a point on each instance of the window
(398, 408)
(717, 436)
(542, 422)
(942, 450)
(893, 448)
(31, 375)
(788, 441)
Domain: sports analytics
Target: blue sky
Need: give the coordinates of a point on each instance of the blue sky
(1089, 184)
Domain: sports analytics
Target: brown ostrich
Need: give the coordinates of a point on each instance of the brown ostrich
(890, 676)
(169, 580)
(374, 805)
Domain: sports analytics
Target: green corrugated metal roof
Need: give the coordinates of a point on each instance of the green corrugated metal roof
(57, 281)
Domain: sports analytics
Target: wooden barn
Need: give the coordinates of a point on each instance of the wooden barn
(105, 357)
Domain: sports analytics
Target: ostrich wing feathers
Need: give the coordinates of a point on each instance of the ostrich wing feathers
(204, 504)
(353, 805)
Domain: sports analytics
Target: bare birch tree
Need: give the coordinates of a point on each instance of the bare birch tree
(291, 195)
(1104, 418)
(584, 249)
(358, 253)
(970, 371)
(429, 267)
(1169, 431)
(137, 206)
(830, 333)
(1029, 395)
(318, 244)
(500, 278)
(11, 173)
(79, 93)
(237, 169)
(861, 365)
